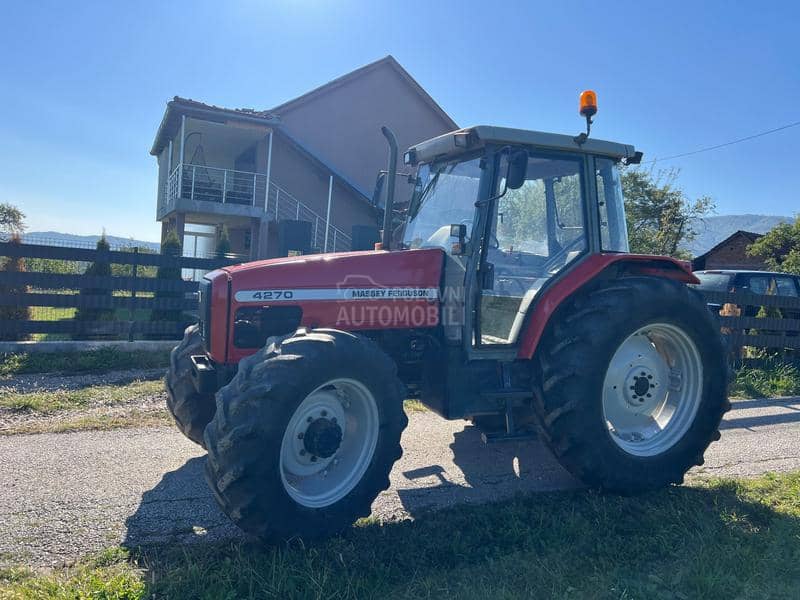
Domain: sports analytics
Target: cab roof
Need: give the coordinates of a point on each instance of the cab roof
(469, 138)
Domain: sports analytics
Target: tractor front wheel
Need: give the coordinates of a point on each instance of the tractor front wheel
(305, 435)
(191, 410)
(633, 384)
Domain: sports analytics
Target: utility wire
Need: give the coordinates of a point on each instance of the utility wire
(731, 143)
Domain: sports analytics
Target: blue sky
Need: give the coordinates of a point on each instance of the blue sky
(83, 85)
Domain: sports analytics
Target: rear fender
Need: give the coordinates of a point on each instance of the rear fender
(588, 270)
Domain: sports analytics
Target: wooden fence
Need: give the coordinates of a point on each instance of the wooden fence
(136, 295)
(741, 327)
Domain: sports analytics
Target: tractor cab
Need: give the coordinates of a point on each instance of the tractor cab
(512, 210)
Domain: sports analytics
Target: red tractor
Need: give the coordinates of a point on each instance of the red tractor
(503, 292)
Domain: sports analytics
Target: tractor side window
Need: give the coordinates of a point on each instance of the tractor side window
(611, 207)
(536, 231)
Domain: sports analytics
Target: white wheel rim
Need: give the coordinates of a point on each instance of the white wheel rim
(652, 389)
(313, 473)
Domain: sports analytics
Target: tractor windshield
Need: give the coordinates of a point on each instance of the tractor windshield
(445, 195)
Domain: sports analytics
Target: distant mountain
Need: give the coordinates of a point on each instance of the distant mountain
(57, 238)
(712, 230)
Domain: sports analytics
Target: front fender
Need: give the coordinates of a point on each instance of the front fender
(584, 272)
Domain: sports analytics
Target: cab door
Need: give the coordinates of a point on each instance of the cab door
(533, 233)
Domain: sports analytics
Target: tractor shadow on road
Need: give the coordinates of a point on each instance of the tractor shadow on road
(179, 510)
(789, 413)
(483, 473)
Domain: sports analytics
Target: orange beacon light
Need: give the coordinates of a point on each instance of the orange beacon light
(588, 103)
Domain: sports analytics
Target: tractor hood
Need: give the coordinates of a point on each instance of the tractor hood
(373, 269)
(349, 291)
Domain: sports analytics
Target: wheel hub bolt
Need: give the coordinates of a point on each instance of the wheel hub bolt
(313, 459)
(300, 435)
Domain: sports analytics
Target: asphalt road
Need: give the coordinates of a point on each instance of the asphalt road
(63, 495)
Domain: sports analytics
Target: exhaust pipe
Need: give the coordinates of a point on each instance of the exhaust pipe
(388, 210)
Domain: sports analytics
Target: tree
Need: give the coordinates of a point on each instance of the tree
(101, 267)
(14, 313)
(12, 219)
(223, 243)
(171, 246)
(660, 216)
(780, 247)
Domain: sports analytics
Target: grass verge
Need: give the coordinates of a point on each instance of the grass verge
(58, 400)
(767, 381)
(96, 422)
(718, 539)
(412, 406)
(98, 361)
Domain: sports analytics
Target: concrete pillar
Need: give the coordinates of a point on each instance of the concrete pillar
(255, 235)
(166, 225)
(180, 224)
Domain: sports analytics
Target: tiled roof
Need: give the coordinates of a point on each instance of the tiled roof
(249, 112)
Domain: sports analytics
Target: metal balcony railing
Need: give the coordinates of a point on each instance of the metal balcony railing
(212, 184)
(227, 186)
(282, 205)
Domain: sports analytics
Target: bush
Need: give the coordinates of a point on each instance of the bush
(223, 243)
(171, 246)
(14, 313)
(101, 267)
(772, 378)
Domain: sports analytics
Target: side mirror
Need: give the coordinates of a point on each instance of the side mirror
(517, 169)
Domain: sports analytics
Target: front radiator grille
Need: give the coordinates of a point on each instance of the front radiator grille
(204, 312)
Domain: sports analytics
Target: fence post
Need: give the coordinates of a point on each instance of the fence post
(224, 185)
(277, 197)
(254, 189)
(193, 170)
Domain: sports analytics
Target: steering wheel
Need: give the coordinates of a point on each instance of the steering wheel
(504, 279)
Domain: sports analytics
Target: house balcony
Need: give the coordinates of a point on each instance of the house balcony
(212, 190)
(200, 188)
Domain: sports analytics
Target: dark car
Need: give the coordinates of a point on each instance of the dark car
(754, 282)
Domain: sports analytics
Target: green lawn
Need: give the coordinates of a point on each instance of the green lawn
(720, 539)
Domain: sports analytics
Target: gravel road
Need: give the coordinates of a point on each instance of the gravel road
(63, 495)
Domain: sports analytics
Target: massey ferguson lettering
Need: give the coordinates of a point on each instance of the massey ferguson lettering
(297, 295)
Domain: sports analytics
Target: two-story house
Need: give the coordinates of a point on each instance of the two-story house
(298, 176)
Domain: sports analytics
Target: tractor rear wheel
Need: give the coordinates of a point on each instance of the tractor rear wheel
(191, 410)
(633, 384)
(305, 435)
